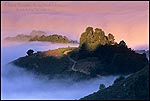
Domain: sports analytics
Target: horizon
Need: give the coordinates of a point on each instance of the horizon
(127, 21)
(139, 47)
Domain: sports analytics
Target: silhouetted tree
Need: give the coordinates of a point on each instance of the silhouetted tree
(101, 87)
(122, 43)
(30, 52)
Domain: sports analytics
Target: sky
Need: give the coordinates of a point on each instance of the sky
(126, 20)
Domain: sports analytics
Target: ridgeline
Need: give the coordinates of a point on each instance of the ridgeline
(97, 54)
(41, 36)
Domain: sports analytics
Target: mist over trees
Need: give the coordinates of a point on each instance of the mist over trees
(51, 38)
(41, 36)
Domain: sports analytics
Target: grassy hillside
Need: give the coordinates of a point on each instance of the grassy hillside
(134, 87)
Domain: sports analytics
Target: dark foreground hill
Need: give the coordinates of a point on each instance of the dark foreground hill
(134, 87)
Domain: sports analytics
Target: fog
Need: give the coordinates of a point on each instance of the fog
(17, 83)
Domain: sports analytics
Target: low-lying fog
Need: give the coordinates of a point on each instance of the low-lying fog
(18, 83)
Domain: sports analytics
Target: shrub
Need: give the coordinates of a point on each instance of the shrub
(30, 52)
(102, 86)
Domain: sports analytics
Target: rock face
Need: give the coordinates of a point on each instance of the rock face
(134, 87)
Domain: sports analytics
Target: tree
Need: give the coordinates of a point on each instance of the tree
(119, 79)
(86, 36)
(98, 30)
(42, 38)
(30, 52)
(102, 86)
(111, 38)
(122, 43)
(99, 34)
(95, 38)
(89, 30)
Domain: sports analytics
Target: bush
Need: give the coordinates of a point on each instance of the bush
(30, 52)
(102, 86)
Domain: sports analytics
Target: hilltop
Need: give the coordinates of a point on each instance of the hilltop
(41, 36)
(97, 55)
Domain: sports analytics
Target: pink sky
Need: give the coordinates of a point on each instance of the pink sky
(126, 20)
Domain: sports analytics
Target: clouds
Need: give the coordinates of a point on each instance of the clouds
(123, 19)
(75, 7)
(20, 84)
(17, 83)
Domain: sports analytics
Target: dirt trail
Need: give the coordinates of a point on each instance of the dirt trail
(74, 63)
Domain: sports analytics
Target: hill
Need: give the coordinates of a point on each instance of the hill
(134, 87)
(41, 36)
(143, 51)
(88, 60)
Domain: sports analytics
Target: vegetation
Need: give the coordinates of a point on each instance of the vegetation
(51, 38)
(102, 86)
(41, 36)
(57, 52)
(44, 65)
(92, 38)
(53, 63)
(97, 55)
(134, 87)
(113, 58)
(30, 52)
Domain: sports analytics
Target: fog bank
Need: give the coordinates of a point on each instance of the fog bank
(17, 83)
